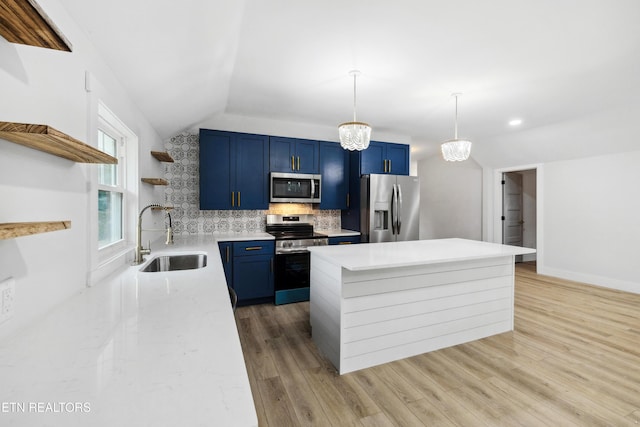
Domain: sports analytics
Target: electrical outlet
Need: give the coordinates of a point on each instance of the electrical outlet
(7, 298)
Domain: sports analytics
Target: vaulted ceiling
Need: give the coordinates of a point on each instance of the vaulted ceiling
(567, 68)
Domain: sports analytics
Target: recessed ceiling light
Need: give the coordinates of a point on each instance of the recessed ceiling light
(515, 122)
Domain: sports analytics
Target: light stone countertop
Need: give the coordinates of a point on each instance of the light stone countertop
(338, 233)
(239, 237)
(372, 256)
(137, 349)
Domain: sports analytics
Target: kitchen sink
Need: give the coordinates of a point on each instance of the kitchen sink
(176, 262)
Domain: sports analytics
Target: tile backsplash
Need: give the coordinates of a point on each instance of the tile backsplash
(183, 194)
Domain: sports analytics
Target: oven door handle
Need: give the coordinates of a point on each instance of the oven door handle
(291, 251)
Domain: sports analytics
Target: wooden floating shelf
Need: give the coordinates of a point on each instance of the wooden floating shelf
(155, 181)
(24, 22)
(16, 229)
(162, 156)
(52, 141)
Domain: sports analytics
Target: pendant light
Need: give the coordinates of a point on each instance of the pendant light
(354, 135)
(456, 150)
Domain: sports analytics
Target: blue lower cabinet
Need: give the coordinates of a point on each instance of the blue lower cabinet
(253, 271)
(344, 240)
(226, 254)
(253, 279)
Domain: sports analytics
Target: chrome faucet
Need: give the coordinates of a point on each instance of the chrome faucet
(140, 251)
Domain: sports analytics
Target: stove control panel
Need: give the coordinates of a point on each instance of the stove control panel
(299, 245)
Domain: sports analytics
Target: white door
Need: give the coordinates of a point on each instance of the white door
(512, 209)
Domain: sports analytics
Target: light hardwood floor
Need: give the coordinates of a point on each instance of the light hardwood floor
(573, 360)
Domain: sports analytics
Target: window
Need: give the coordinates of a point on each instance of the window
(114, 193)
(111, 190)
(116, 202)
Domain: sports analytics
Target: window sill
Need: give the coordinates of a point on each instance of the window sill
(114, 262)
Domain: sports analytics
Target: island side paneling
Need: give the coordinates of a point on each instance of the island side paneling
(325, 313)
(393, 313)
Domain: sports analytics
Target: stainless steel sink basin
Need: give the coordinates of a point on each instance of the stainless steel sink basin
(176, 262)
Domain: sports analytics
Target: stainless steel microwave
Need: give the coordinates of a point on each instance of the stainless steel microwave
(294, 188)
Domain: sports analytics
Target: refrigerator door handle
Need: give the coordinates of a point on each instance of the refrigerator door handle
(399, 203)
(394, 210)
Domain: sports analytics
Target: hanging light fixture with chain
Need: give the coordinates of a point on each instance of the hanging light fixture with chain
(456, 150)
(354, 135)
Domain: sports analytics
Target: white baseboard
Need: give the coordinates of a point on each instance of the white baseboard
(606, 282)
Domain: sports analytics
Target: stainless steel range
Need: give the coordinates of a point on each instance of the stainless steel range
(294, 234)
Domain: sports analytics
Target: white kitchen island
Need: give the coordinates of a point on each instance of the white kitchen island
(379, 302)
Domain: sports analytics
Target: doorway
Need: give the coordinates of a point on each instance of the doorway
(519, 201)
(533, 209)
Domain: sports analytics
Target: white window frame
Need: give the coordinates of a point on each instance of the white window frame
(115, 255)
(120, 186)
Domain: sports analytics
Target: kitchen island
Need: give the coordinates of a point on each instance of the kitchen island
(376, 303)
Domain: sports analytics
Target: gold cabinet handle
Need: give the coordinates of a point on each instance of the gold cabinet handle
(298, 162)
(344, 243)
(293, 165)
(238, 199)
(233, 198)
(389, 165)
(347, 199)
(385, 165)
(253, 248)
(227, 253)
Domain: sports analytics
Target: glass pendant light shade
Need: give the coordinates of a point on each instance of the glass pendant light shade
(456, 150)
(354, 135)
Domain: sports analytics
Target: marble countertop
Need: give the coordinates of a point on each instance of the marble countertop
(372, 256)
(239, 237)
(138, 349)
(338, 232)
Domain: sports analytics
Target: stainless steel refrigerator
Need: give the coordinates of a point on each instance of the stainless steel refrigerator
(389, 208)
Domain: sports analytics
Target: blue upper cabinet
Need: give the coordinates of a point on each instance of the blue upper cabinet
(215, 169)
(252, 172)
(385, 157)
(293, 155)
(334, 168)
(234, 170)
(372, 160)
(397, 156)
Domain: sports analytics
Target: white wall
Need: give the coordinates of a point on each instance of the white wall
(450, 199)
(586, 224)
(591, 230)
(292, 129)
(48, 87)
